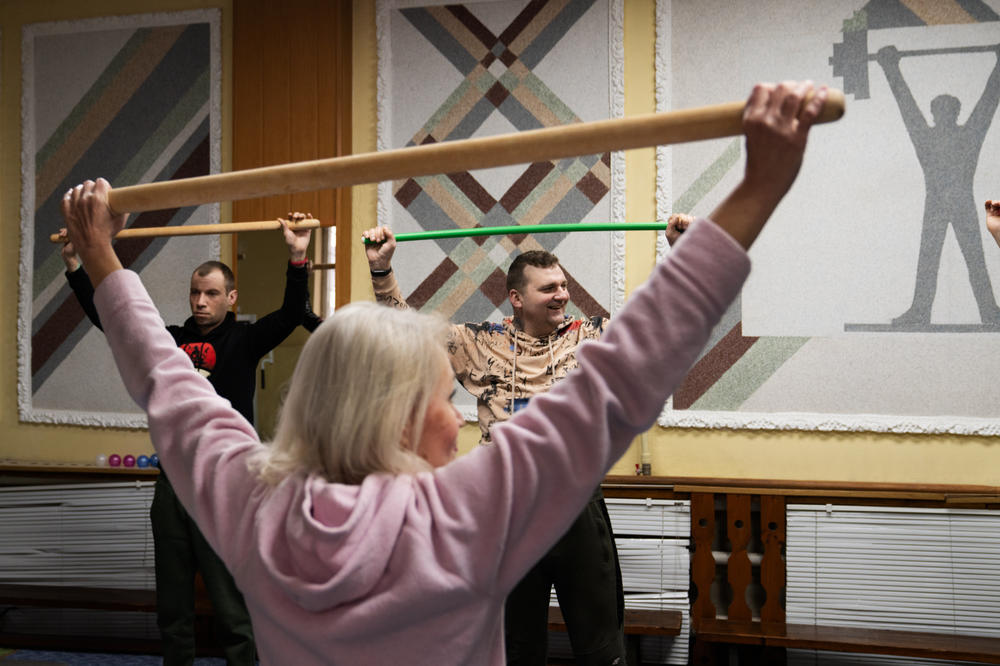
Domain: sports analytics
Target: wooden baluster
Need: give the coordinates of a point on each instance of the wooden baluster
(702, 562)
(738, 570)
(772, 566)
(702, 574)
(772, 571)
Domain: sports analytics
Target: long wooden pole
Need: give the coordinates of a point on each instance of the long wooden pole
(708, 122)
(202, 229)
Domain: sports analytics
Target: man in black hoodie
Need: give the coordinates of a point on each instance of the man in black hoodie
(227, 352)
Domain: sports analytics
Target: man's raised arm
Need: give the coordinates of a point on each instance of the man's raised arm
(379, 253)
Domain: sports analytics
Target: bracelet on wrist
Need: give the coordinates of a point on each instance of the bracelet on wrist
(380, 272)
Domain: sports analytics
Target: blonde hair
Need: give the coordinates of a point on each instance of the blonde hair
(358, 396)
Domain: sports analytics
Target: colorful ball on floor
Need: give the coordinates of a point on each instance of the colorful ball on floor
(129, 461)
(102, 460)
(115, 460)
(142, 461)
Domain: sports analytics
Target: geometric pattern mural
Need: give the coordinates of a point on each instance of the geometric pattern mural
(489, 68)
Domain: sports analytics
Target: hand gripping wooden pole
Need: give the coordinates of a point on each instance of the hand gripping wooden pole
(589, 138)
(202, 229)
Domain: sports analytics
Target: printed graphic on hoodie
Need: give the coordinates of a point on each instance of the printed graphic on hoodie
(202, 355)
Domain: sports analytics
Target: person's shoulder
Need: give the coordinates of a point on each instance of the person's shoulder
(485, 327)
(589, 327)
(232, 324)
(187, 329)
(597, 323)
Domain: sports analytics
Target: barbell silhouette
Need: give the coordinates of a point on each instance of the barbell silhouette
(851, 57)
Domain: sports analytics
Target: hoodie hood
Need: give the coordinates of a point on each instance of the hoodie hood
(191, 327)
(335, 543)
(513, 327)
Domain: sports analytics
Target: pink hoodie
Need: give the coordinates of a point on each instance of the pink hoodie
(415, 569)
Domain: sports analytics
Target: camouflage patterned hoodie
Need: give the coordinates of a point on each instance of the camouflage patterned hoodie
(501, 365)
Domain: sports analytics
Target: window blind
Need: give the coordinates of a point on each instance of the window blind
(905, 568)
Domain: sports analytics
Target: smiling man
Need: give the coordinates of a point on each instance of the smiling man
(504, 365)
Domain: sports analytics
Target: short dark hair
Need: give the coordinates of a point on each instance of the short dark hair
(536, 258)
(227, 273)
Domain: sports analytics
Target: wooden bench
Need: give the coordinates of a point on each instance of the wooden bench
(766, 635)
(16, 595)
(638, 622)
(57, 596)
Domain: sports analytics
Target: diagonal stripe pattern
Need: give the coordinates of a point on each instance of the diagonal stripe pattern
(145, 117)
(907, 13)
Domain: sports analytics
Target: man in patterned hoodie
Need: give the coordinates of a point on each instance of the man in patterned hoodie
(504, 365)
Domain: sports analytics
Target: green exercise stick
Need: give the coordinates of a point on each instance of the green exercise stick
(526, 229)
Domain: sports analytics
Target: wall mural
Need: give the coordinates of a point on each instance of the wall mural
(486, 68)
(133, 99)
(873, 301)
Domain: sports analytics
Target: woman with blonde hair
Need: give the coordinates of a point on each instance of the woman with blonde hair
(371, 400)
(357, 538)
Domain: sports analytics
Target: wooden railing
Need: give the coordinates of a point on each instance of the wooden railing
(746, 613)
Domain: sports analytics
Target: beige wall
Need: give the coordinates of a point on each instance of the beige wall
(696, 452)
(710, 453)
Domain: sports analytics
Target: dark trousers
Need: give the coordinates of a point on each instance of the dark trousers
(181, 551)
(583, 566)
